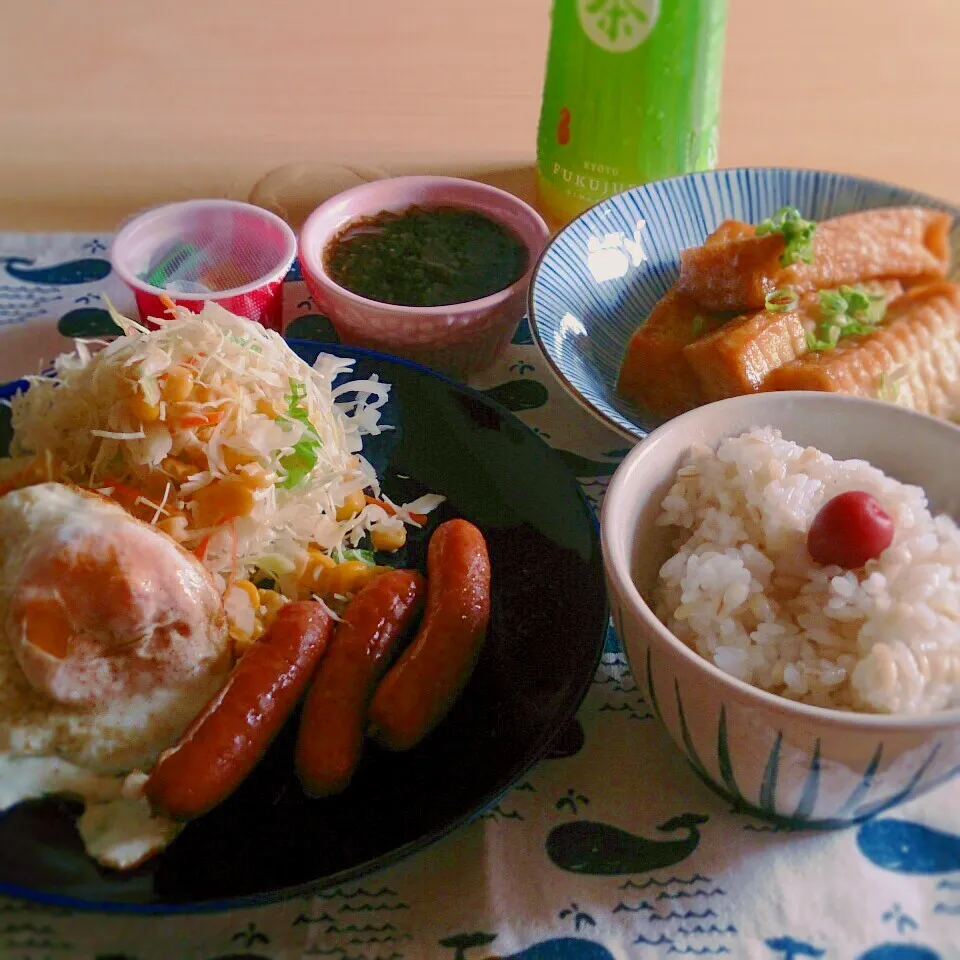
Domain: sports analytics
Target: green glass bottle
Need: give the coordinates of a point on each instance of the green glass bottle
(632, 94)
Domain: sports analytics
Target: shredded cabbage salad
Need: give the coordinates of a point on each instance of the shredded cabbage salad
(213, 429)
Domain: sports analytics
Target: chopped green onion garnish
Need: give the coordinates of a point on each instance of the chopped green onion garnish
(698, 326)
(831, 303)
(887, 388)
(303, 459)
(888, 384)
(857, 302)
(364, 556)
(826, 341)
(797, 235)
(244, 342)
(781, 301)
(847, 312)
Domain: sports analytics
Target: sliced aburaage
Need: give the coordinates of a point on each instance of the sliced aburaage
(739, 272)
(857, 304)
(913, 358)
(738, 356)
(655, 372)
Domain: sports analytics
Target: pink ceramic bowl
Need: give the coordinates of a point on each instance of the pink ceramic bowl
(458, 339)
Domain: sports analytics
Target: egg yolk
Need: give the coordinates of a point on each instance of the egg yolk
(69, 593)
(47, 626)
(113, 611)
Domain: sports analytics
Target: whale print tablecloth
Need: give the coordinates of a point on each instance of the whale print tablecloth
(693, 877)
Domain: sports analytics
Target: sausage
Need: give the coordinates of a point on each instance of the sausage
(421, 687)
(229, 737)
(334, 715)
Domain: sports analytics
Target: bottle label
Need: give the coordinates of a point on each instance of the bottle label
(594, 182)
(632, 94)
(618, 26)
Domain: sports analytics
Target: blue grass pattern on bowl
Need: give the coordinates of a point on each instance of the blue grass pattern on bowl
(582, 325)
(872, 809)
(863, 787)
(805, 815)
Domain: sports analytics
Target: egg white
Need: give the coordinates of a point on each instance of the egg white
(79, 725)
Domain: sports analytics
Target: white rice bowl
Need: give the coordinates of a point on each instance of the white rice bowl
(743, 592)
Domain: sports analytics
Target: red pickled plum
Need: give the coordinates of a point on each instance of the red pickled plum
(849, 530)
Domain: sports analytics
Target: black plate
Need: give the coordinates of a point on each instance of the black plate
(548, 623)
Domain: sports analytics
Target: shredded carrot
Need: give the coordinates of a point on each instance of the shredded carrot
(168, 304)
(192, 420)
(208, 419)
(418, 518)
(126, 492)
(201, 551)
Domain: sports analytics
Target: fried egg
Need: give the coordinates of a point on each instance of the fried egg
(112, 639)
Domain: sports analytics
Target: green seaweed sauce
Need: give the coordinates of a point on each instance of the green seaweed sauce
(426, 257)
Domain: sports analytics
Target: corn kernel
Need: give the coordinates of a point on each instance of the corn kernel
(250, 590)
(236, 499)
(317, 563)
(143, 411)
(319, 582)
(197, 456)
(200, 393)
(177, 468)
(320, 559)
(270, 604)
(175, 527)
(223, 500)
(351, 506)
(177, 384)
(233, 458)
(388, 539)
(254, 476)
(351, 576)
(265, 407)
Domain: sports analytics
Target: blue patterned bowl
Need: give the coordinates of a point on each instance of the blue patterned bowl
(603, 273)
(799, 765)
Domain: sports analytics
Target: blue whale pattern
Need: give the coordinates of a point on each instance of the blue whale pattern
(906, 847)
(522, 337)
(312, 326)
(241, 956)
(560, 948)
(568, 742)
(899, 951)
(599, 849)
(87, 270)
(791, 949)
(87, 322)
(563, 948)
(585, 467)
(295, 273)
(518, 395)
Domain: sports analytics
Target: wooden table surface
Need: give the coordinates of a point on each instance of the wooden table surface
(112, 105)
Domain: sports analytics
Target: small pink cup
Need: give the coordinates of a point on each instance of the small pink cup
(458, 339)
(231, 232)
